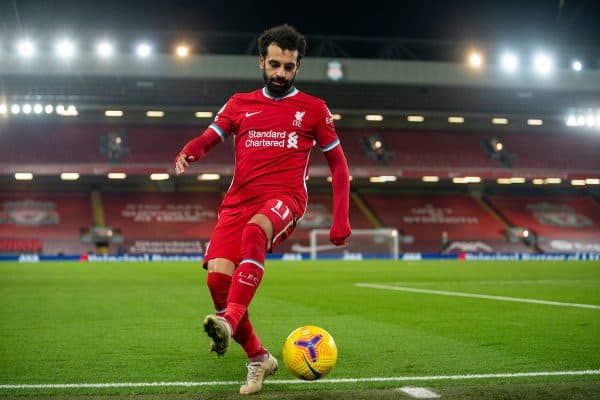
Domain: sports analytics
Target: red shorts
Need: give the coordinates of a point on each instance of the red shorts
(226, 239)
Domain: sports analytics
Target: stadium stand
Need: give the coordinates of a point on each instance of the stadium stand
(416, 152)
(44, 222)
(561, 223)
(423, 219)
(154, 222)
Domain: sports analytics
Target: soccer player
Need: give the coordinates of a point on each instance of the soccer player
(274, 130)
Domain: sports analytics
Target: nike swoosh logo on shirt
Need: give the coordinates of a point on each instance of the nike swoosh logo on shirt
(249, 114)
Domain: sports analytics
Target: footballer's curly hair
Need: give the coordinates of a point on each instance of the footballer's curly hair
(284, 36)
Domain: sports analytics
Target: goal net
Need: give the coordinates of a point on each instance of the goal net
(381, 243)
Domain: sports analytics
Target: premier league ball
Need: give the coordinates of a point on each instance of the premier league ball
(309, 352)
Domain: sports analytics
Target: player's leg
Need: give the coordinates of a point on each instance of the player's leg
(218, 282)
(220, 259)
(272, 223)
(269, 226)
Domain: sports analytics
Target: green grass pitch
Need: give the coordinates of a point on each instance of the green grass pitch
(96, 323)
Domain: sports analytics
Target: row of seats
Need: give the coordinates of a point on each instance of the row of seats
(158, 145)
(158, 220)
(29, 246)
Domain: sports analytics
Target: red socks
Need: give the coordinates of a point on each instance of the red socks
(248, 274)
(232, 295)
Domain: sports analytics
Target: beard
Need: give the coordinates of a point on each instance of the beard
(278, 86)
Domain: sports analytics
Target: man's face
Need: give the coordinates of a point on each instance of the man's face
(279, 69)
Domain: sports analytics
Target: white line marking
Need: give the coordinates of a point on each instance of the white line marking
(297, 381)
(477, 296)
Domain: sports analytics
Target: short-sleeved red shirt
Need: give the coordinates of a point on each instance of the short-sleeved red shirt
(273, 140)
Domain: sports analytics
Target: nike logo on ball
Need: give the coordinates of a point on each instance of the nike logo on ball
(249, 114)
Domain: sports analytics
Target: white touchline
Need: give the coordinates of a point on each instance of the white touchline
(475, 295)
(298, 381)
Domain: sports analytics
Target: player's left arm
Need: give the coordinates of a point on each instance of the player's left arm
(340, 177)
(340, 182)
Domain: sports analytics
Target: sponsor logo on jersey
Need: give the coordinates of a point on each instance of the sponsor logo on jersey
(292, 140)
(298, 118)
(272, 138)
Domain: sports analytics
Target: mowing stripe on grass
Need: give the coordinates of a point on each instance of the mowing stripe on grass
(297, 381)
(476, 296)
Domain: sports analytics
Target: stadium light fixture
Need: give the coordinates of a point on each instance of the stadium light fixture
(27, 108)
(69, 111)
(503, 181)
(159, 176)
(155, 114)
(204, 114)
(65, 49)
(535, 122)
(577, 182)
(143, 50)
(374, 117)
(552, 181)
(26, 48)
(113, 113)
(105, 49)
(543, 64)
(577, 65)
(49, 109)
(456, 120)
(592, 181)
(209, 177)
(69, 176)
(430, 178)
(509, 62)
(3, 109)
(415, 118)
(116, 175)
(475, 60)
(23, 176)
(517, 179)
(538, 181)
(382, 179)
(15, 109)
(466, 179)
(499, 121)
(38, 108)
(182, 51)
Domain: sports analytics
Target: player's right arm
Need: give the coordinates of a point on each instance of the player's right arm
(222, 126)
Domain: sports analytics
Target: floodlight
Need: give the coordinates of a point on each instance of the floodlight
(543, 64)
(49, 108)
(26, 48)
(117, 175)
(69, 176)
(65, 48)
(182, 51)
(105, 49)
(23, 176)
(475, 60)
(27, 108)
(15, 109)
(3, 108)
(577, 65)
(159, 177)
(509, 62)
(144, 50)
(38, 108)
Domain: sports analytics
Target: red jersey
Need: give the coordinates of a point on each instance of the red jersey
(273, 141)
